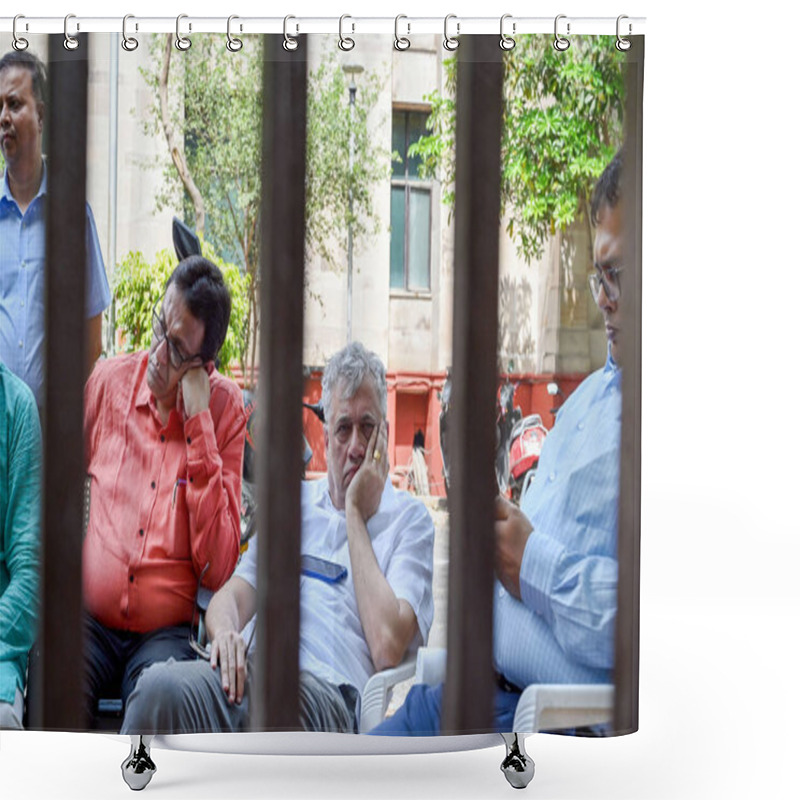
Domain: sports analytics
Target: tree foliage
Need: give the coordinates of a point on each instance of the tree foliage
(207, 104)
(562, 115)
(329, 179)
(139, 286)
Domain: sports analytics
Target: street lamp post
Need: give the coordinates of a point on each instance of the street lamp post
(351, 70)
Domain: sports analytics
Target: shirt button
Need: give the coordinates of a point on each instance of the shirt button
(188, 440)
(20, 343)
(551, 477)
(162, 437)
(141, 531)
(131, 579)
(581, 426)
(152, 484)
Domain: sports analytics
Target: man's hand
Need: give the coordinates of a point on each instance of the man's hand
(196, 390)
(511, 531)
(365, 489)
(229, 651)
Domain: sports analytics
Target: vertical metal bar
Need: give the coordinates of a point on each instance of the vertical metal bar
(61, 625)
(280, 392)
(626, 673)
(469, 687)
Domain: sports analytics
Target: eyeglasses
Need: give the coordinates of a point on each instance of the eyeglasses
(609, 279)
(176, 359)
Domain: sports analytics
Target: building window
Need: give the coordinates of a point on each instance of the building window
(411, 207)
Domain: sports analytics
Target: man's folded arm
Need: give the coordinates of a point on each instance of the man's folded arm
(576, 594)
(214, 490)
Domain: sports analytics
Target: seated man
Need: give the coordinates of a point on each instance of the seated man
(555, 599)
(350, 626)
(20, 460)
(164, 439)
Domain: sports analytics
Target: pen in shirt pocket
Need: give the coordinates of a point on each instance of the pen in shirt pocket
(179, 482)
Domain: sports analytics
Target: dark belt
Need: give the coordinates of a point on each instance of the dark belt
(505, 684)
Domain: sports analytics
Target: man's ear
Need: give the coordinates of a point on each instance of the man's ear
(40, 115)
(325, 435)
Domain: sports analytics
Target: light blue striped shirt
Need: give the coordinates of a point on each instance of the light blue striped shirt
(563, 630)
(22, 275)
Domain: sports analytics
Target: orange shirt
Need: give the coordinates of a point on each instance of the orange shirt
(164, 498)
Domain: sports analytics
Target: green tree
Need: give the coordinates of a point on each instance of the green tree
(562, 123)
(207, 105)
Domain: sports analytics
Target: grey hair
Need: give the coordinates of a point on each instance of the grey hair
(351, 365)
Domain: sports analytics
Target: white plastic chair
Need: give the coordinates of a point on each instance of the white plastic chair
(541, 706)
(378, 692)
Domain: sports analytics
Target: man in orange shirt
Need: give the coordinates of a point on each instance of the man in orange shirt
(164, 440)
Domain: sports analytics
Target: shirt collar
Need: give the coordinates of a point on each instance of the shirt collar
(610, 365)
(387, 504)
(144, 397)
(6, 193)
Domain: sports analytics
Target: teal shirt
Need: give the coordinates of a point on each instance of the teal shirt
(20, 463)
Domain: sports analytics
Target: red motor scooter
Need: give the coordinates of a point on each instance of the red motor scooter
(527, 438)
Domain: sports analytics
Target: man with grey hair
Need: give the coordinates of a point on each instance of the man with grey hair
(365, 592)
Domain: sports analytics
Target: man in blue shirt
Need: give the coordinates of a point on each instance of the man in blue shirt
(556, 558)
(22, 228)
(20, 456)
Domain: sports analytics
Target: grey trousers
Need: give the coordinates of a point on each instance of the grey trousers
(187, 697)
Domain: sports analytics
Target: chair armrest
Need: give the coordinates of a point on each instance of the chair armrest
(431, 665)
(377, 692)
(551, 706)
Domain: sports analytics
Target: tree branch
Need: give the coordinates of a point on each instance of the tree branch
(176, 150)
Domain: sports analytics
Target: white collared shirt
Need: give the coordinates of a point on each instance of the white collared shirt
(332, 642)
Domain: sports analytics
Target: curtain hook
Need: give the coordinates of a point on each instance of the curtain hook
(129, 43)
(450, 42)
(70, 42)
(233, 44)
(401, 42)
(182, 42)
(622, 43)
(507, 42)
(289, 42)
(345, 42)
(19, 43)
(559, 42)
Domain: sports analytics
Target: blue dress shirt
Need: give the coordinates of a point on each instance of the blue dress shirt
(563, 630)
(22, 276)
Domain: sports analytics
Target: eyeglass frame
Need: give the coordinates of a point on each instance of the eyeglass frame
(172, 348)
(603, 277)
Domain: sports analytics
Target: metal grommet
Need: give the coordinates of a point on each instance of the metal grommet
(401, 42)
(70, 42)
(346, 43)
(19, 43)
(450, 42)
(507, 42)
(289, 42)
(233, 44)
(622, 43)
(182, 42)
(559, 42)
(129, 43)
